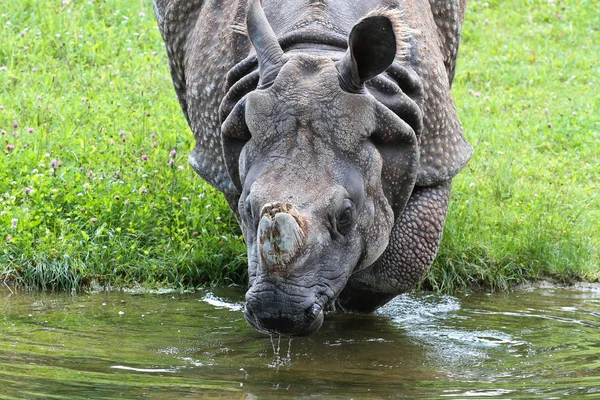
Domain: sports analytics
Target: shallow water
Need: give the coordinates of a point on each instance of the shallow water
(542, 343)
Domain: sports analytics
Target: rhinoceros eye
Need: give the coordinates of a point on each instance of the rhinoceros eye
(345, 217)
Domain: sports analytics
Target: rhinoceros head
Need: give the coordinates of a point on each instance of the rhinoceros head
(322, 168)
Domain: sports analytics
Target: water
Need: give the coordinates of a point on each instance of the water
(542, 343)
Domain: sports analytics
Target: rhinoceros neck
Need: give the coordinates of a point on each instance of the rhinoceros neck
(320, 15)
(306, 40)
(315, 27)
(243, 77)
(314, 41)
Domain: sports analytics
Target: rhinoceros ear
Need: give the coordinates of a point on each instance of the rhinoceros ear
(241, 80)
(234, 135)
(371, 50)
(264, 40)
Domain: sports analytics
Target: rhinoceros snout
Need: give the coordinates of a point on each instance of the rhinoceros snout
(280, 235)
(302, 323)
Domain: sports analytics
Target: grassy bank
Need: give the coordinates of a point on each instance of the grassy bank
(98, 186)
(94, 183)
(528, 203)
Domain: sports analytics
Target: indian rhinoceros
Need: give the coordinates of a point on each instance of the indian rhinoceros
(330, 129)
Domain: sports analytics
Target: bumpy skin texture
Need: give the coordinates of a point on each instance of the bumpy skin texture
(392, 147)
(413, 245)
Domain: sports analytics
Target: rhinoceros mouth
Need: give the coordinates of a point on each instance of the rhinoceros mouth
(275, 307)
(302, 324)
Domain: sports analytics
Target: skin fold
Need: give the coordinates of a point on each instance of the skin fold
(330, 129)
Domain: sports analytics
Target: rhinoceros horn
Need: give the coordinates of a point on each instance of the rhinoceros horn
(268, 50)
(280, 236)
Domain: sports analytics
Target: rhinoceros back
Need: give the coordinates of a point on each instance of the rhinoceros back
(203, 45)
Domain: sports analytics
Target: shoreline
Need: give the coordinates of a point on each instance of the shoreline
(95, 288)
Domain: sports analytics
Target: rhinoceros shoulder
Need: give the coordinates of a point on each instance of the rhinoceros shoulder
(202, 46)
(175, 20)
(449, 17)
(434, 48)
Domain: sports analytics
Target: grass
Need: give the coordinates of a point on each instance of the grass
(528, 203)
(95, 187)
(99, 188)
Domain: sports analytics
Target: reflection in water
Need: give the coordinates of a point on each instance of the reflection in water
(530, 343)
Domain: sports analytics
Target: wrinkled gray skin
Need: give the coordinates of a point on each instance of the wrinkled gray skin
(335, 152)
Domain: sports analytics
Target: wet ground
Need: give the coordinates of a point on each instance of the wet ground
(532, 343)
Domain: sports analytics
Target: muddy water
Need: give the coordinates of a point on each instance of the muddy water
(536, 343)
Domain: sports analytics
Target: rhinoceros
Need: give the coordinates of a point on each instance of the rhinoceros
(330, 128)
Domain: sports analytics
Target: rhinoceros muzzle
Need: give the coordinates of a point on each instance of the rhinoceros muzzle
(276, 302)
(274, 314)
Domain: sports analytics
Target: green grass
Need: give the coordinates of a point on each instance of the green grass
(102, 104)
(528, 203)
(80, 204)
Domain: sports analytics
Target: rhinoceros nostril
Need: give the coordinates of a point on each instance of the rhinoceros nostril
(313, 311)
